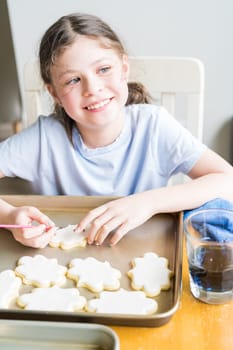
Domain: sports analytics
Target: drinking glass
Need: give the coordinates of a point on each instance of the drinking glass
(209, 242)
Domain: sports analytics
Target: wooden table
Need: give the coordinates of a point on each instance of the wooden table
(195, 326)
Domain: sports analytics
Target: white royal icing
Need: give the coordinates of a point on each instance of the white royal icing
(67, 238)
(40, 271)
(94, 275)
(150, 274)
(9, 287)
(122, 302)
(52, 299)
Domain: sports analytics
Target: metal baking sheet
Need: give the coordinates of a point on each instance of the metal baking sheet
(42, 335)
(161, 234)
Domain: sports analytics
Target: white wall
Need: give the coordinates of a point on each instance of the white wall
(199, 28)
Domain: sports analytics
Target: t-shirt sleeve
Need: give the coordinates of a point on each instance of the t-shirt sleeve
(20, 153)
(174, 146)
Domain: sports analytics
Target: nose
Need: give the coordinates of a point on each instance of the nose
(92, 85)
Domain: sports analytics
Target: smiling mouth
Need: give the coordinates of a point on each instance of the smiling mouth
(98, 105)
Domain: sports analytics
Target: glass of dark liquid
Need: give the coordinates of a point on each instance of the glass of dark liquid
(209, 242)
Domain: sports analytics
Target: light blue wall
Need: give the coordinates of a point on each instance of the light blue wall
(199, 28)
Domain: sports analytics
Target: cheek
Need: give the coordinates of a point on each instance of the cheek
(123, 90)
(120, 85)
(119, 80)
(66, 100)
(120, 90)
(69, 103)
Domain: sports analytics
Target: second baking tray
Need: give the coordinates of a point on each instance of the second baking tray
(162, 234)
(42, 335)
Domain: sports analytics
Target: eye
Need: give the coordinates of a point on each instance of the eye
(104, 69)
(73, 81)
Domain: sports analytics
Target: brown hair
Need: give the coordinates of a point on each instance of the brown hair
(62, 34)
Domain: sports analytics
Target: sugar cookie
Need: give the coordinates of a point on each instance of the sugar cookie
(94, 275)
(122, 302)
(52, 299)
(40, 271)
(150, 274)
(67, 238)
(9, 287)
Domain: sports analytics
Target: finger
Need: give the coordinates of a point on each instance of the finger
(97, 225)
(40, 241)
(33, 232)
(37, 215)
(43, 240)
(92, 215)
(106, 229)
(36, 231)
(27, 234)
(121, 231)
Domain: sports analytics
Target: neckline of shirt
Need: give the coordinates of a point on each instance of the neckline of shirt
(80, 146)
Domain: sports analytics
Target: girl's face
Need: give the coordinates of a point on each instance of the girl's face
(90, 82)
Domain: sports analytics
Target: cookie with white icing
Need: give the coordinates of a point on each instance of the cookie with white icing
(122, 302)
(94, 274)
(67, 238)
(52, 299)
(150, 274)
(9, 287)
(40, 271)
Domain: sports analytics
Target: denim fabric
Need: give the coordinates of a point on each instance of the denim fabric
(217, 228)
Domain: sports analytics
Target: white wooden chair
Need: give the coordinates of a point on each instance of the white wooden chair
(177, 83)
(36, 98)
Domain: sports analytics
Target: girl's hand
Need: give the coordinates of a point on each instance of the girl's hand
(121, 215)
(36, 237)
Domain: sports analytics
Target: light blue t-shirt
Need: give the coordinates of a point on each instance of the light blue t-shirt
(151, 148)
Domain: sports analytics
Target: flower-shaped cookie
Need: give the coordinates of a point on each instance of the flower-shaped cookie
(9, 287)
(52, 299)
(123, 302)
(150, 274)
(67, 238)
(94, 275)
(40, 271)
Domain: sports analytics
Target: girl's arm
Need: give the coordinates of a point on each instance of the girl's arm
(211, 177)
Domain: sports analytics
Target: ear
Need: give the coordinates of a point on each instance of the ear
(53, 93)
(125, 67)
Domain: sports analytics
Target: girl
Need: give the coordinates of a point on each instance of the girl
(105, 139)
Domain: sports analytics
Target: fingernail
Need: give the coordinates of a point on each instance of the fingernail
(48, 226)
(78, 229)
(50, 223)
